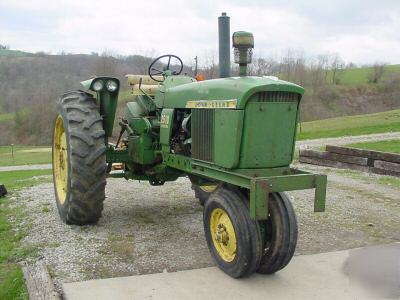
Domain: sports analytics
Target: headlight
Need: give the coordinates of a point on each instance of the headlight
(112, 85)
(98, 85)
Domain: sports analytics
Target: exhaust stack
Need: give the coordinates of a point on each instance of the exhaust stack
(224, 46)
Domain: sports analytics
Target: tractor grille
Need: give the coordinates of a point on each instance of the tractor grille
(202, 134)
(275, 97)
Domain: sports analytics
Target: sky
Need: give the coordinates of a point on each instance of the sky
(362, 32)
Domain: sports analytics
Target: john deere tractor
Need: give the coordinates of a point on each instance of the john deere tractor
(234, 138)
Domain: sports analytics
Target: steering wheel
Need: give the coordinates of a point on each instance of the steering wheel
(154, 71)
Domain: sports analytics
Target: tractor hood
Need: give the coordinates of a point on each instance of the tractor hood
(233, 88)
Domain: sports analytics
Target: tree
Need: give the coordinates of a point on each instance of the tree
(377, 71)
(336, 66)
(209, 68)
(261, 66)
(141, 63)
(351, 65)
(317, 71)
(106, 64)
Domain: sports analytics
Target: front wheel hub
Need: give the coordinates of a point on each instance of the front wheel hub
(222, 236)
(223, 233)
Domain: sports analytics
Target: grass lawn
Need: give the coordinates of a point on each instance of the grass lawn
(391, 181)
(392, 146)
(7, 52)
(352, 125)
(359, 76)
(24, 155)
(7, 117)
(12, 284)
(14, 180)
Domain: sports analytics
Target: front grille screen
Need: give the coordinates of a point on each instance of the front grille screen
(272, 96)
(203, 134)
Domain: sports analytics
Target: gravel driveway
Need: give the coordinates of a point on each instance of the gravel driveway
(148, 229)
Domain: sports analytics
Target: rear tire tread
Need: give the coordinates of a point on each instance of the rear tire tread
(87, 163)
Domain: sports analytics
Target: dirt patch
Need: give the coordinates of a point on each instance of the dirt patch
(148, 229)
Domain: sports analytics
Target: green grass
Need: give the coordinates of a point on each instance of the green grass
(392, 146)
(24, 155)
(7, 117)
(13, 286)
(11, 279)
(391, 181)
(14, 180)
(359, 76)
(12, 251)
(125, 95)
(388, 121)
(7, 52)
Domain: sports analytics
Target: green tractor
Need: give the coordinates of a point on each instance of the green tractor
(234, 138)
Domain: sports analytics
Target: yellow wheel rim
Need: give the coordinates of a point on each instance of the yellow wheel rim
(208, 188)
(223, 234)
(60, 160)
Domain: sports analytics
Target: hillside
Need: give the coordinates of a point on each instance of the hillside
(7, 52)
(359, 76)
(31, 83)
(388, 121)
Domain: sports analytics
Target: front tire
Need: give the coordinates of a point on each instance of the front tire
(233, 238)
(79, 163)
(279, 234)
(203, 192)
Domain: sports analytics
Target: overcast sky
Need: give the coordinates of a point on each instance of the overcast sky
(360, 31)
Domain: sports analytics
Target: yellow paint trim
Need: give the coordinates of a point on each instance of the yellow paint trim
(227, 104)
(144, 89)
(223, 234)
(60, 160)
(143, 79)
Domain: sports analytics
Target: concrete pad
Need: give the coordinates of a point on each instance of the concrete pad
(319, 276)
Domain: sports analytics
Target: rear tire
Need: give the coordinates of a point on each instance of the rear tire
(279, 234)
(233, 238)
(79, 162)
